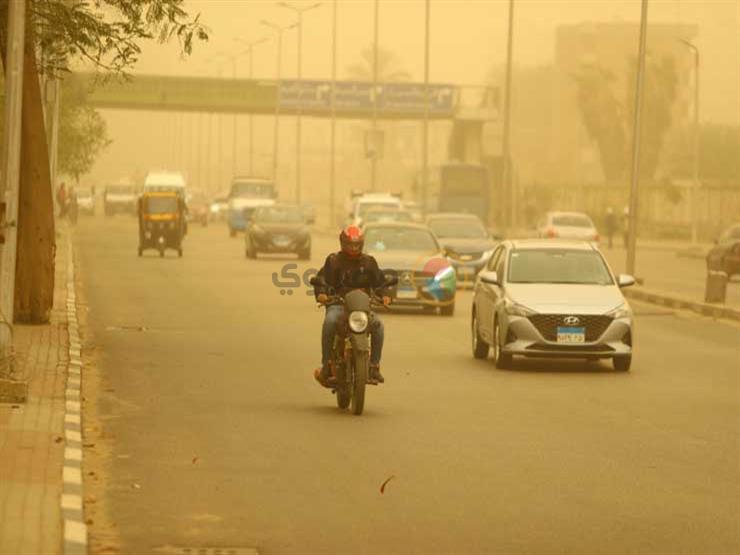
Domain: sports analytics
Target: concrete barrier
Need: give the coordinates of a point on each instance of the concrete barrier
(674, 301)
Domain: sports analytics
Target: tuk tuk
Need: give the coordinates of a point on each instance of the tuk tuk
(161, 221)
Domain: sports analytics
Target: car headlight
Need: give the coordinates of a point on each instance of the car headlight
(622, 311)
(358, 321)
(516, 309)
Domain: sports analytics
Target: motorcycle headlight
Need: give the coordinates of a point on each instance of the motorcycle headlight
(516, 309)
(622, 311)
(358, 321)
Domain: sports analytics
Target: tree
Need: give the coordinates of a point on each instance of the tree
(389, 69)
(82, 132)
(106, 33)
(609, 121)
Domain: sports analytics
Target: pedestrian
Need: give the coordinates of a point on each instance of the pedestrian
(62, 199)
(626, 226)
(610, 223)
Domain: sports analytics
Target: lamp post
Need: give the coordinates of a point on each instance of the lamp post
(276, 128)
(299, 13)
(250, 48)
(374, 159)
(425, 128)
(506, 181)
(332, 166)
(695, 185)
(636, 132)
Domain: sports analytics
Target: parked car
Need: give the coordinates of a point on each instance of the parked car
(551, 299)
(280, 228)
(466, 242)
(725, 255)
(567, 225)
(411, 252)
(85, 200)
(119, 199)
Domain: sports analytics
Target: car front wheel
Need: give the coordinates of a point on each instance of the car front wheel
(501, 359)
(480, 347)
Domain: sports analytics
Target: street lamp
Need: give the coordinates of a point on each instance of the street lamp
(299, 13)
(695, 50)
(250, 47)
(276, 129)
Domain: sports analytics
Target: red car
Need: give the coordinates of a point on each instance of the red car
(725, 256)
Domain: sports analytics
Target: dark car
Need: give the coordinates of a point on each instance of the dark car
(467, 243)
(278, 229)
(725, 256)
(411, 252)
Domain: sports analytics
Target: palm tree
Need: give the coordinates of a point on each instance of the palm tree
(389, 69)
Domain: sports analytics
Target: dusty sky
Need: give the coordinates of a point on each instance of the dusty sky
(467, 38)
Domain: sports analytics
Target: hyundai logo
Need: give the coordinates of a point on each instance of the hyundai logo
(572, 320)
(407, 278)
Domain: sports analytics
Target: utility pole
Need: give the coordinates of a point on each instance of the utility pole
(696, 183)
(276, 127)
(636, 133)
(250, 50)
(374, 158)
(332, 163)
(506, 186)
(11, 165)
(299, 23)
(425, 127)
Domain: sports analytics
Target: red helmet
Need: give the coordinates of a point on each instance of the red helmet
(352, 240)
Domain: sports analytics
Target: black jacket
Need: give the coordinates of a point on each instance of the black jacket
(343, 273)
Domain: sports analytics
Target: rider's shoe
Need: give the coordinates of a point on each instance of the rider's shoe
(323, 375)
(375, 374)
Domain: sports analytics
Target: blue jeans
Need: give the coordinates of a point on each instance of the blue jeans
(334, 313)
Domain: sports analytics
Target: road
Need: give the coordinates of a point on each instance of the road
(220, 437)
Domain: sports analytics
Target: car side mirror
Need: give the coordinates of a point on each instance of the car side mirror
(490, 277)
(625, 280)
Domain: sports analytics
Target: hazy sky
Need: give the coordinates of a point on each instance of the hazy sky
(467, 38)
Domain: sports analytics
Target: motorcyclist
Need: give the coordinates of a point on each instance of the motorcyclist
(343, 271)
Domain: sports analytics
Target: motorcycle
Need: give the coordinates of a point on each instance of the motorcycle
(350, 359)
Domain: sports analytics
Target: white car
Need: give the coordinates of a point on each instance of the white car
(85, 200)
(567, 225)
(370, 201)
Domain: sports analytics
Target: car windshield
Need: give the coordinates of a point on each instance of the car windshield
(558, 266)
(287, 215)
(365, 206)
(461, 228)
(161, 205)
(572, 220)
(120, 190)
(398, 238)
(252, 189)
(731, 234)
(387, 215)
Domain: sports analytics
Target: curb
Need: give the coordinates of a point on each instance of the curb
(75, 529)
(705, 309)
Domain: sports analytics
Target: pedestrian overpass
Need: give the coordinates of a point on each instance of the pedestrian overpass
(352, 99)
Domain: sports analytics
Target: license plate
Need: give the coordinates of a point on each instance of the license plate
(406, 294)
(281, 241)
(571, 336)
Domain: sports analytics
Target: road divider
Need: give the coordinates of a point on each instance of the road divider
(676, 301)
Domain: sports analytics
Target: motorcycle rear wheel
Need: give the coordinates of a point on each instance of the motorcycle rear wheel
(360, 382)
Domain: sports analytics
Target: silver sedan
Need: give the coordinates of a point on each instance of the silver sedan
(538, 298)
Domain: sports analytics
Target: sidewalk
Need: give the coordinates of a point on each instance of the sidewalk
(32, 433)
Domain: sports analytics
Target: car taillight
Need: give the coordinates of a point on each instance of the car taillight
(551, 233)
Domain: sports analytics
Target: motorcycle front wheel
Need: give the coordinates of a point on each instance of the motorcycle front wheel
(360, 381)
(344, 393)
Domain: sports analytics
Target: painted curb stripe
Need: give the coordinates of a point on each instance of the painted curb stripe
(71, 501)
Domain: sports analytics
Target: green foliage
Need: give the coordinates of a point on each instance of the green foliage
(389, 68)
(82, 132)
(609, 121)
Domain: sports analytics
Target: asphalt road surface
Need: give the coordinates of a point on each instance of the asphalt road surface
(221, 437)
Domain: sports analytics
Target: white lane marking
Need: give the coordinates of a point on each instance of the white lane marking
(72, 406)
(75, 532)
(71, 435)
(73, 382)
(72, 454)
(72, 475)
(72, 418)
(72, 393)
(71, 501)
